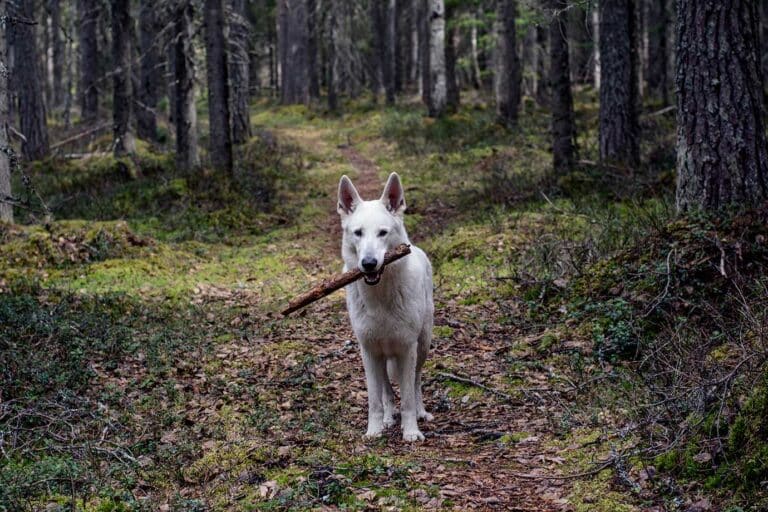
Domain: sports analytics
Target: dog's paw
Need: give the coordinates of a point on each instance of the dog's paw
(424, 415)
(412, 435)
(372, 434)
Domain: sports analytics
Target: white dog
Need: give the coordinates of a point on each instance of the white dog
(391, 308)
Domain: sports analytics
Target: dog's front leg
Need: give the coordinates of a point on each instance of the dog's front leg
(409, 406)
(374, 377)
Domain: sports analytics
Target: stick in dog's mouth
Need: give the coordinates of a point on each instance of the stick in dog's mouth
(373, 278)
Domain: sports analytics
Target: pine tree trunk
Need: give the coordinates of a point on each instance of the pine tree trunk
(389, 72)
(438, 96)
(658, 55)
(581, 44)
(507, 76)
(149, 84)
(477, 76)
(58, 57)
(220, 141)
(424, 52)
(452, 84)
(294, 57)
(32, 117)
(563, 127)
(185, 115)
(89, 59)
(238, 72)
(313, 56)
(542, 57)
(121, 78)
(722, 156)
(596, 71)
(333, 55)
(619, 126)
(6, 210)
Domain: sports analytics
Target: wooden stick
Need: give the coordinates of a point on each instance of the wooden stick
(333, 283)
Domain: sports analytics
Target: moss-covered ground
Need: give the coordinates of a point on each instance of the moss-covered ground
(145, 365)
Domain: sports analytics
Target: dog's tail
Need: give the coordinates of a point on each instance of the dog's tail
(393, 370)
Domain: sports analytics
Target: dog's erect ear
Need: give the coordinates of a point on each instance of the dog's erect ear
(348, 196)
(394, 196)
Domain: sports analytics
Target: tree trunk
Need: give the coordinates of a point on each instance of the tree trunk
(658, 55)
(6, 210)
(581, 45)
(121, 78)
(294, 57)
(424, 52)
(452, 84)
(238, 72)
(149, 84)
(313, 55)
(507, 75)
(438, 96)
(542, 54)
(389, 71)
(32, 116)
(477, 76)
(185, 115)
(220, 141)
(563, 127)
(722, 157)
(89, 59)
(333, 55)
(596, 72)
(619, 127)
(378, 47)
(58, 57)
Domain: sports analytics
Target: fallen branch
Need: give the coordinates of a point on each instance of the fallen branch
(333, 283)
(465, 380)
(78, 136)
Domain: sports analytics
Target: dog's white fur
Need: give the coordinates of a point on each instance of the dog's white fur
(392, 318)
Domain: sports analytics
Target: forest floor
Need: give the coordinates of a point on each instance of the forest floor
(192, 393)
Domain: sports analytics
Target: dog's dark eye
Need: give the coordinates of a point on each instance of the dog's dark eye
(383, 232)
(358, 232)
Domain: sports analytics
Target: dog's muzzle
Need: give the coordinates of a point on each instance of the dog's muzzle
(372, 278)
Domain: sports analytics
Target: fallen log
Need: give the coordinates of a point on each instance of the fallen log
(333, 283)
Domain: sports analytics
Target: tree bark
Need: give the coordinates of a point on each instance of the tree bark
(58, 56)
(185, 115)
(581, 45)
(220, 138)
(658, 54)
(149, 83)
(722, 156)
(378, 47)
(6, 210)
(313, 54)
(121, 78)
(438, 96)
(507, 75)
(238, 72)
(424, 52)
(89, 59)
(32, 116)
(619, 126)
(542, 53)
(333, 55)
(389, 71)
(294, 56)
(452, 84)
(563, 127)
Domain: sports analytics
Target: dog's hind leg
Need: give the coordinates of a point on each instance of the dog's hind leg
(388, 400)
(422, 412)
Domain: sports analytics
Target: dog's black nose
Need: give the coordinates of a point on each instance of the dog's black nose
(369, 264)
